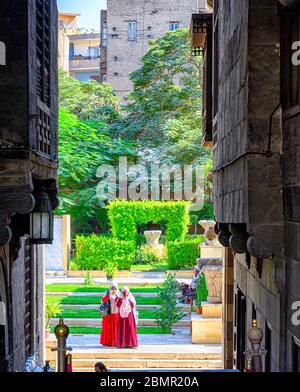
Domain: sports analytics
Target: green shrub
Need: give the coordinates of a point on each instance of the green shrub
(146, 255)
(201, 290)
(169, 313)
(95, 252)
(183, 254)
(207, 212)
(125, 216)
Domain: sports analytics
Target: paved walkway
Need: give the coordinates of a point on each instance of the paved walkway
(138, 279)
(163, 343)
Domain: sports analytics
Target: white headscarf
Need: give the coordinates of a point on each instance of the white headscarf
(126, 305)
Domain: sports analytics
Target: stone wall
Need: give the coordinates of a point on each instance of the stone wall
(153, 18)
(291, 191)
(262, 294)
(247, 178)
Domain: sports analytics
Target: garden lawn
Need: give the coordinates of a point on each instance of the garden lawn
(71, 288)
(96, 331)
(86, 300)
(94, 313)
(150, 267)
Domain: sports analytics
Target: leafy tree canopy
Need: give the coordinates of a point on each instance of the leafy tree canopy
(164, 111)
(88, 101)
(83, 147)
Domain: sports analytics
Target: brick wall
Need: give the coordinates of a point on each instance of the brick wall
(153, 18)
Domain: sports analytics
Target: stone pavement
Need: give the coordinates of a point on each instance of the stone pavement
(182, 337)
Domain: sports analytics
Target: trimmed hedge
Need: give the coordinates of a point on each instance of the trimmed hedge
(125, 215)
(94, 252)
(183, 254)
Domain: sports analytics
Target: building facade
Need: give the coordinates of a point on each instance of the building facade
(28, 156)
(251, 109)
(66, 22)
(78, 52)
(84, 64)
(128, 26)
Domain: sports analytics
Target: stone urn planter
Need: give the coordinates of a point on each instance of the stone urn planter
(214, 281)
(153, 237)
(209, 234)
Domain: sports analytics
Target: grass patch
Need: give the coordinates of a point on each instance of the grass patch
(96, 331)
(94, 313)
(76, 288)
(86, 300)
(160, 267)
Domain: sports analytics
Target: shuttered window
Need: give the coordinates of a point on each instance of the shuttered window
(43, 48)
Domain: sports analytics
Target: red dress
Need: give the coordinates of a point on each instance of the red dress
(108, 336)
(126, 335)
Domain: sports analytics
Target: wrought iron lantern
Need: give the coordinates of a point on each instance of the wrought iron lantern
(42, 219)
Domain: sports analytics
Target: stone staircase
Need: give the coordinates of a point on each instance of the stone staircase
(97, 322)
(84, 360)
(155, 352)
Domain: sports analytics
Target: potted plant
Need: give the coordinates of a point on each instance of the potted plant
(201, 293)
(198, 298)
(53, 308)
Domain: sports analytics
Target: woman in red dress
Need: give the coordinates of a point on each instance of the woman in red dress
(110, 323)
(126, 335)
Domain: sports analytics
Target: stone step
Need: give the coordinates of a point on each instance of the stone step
(69, 276)
(88, 364)
(183, 307)
(155, 370)
(101, 355)
(98, 322)
(100, 295)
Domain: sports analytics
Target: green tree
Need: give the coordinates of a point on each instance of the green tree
(88, 100)
(166, 87)
(83, 147)
(169, 313)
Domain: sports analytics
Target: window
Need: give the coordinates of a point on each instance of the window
(132, 30)
(173, 26)
(71, 51)
(104, 35)
(94, 52)
(43, 58)
(85, 76)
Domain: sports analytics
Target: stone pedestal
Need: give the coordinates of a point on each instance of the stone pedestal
(207, 327)
(211, 310)
(211, 251)
(152, 237)
(214, 282)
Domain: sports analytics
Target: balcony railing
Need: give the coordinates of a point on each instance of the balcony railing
(85, 63)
